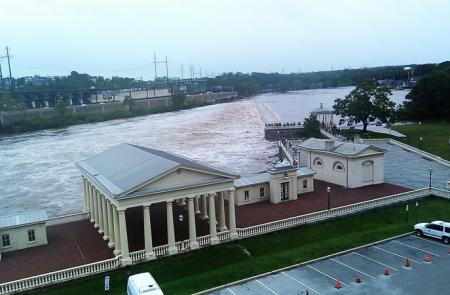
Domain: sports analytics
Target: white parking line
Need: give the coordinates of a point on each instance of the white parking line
(376, 261)
(304, 285)
(426, 240)
(348, 266)
(416, 248)
(376, 247)
(334, 279)
(231, 291)
(258, 281)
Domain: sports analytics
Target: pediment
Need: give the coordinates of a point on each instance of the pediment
(184, 177)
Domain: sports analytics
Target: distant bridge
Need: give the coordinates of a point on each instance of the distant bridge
(47, 98)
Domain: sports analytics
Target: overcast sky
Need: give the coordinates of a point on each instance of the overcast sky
(119, 37)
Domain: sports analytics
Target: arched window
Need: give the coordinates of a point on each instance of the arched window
(318, 162)
(338, 166)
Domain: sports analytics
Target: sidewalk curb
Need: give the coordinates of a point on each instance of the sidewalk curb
(299, 264)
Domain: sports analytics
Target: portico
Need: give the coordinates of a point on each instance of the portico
(128, 177)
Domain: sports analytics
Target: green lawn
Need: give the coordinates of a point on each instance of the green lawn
(222, 264)
(435, 137)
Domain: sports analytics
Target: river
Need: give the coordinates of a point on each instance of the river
(38, 169)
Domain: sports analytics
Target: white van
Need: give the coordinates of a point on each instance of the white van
(143, 283)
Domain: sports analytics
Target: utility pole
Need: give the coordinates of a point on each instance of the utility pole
(156, 74)
(167, 72)
(11, 86)
(181, 72)
(2, 83)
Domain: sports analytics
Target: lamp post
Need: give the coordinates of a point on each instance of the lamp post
(431, 172)
(180, 217)
(421, 138)
(328, 195)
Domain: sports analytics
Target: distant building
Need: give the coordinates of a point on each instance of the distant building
(23, 230)
(324, 116)
(347, 164)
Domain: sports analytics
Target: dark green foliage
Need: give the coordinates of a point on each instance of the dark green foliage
(365, 103)
(129, 103)
(311, 126)
(61, 107)
(430, 97)
(247, 89)
(178, 100)
(9, 103)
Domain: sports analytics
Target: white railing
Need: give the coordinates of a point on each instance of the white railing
(137, 256)
(286, 153)
(335, 212)
(203, 240)
(408, 148)
(59, 276)
(329, 135)
(161, 250)
(440, 193)
(68, 218)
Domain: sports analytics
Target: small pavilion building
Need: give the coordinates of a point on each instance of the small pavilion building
(129, 176)
(324, 116)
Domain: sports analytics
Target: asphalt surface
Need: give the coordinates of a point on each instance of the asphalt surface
(369, 264)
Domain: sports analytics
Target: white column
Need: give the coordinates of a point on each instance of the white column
(170, 229)
(212, 220)
(94, 196)
(91, 199)
(105, 218)
(124, 239)
(149, 254)
(192, 230)
(204, 208)
(100, 212)
(197, 207)
(222, 223)
(116, 232)
(110, 224)
(232, 217)
(85, 197)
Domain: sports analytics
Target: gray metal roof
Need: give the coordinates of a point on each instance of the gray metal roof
(342, 148)
(125, 167)
(304, 171)
(23, 219)
(251, 180)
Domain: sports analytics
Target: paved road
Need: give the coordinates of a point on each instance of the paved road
(369, 263)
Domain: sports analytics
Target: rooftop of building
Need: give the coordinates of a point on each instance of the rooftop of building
(336, 147)
(322, 110)
(125, 167)
(19, 219)
(265, 177)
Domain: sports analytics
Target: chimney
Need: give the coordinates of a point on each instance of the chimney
(329, 145)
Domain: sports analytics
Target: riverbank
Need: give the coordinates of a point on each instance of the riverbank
(62, 121)
(200, 270)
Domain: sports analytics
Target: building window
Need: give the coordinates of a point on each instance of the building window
(338, 166)
(6, 242)
(31, 235)
(318, 162)
(246, 195)
(261, 192)
(305, 183)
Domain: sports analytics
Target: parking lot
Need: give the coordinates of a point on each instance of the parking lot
(370, 264)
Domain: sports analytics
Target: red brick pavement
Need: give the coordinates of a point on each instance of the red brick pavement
(263, 212)
(70, 244)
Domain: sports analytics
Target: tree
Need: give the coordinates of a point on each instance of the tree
(366, 103)
(129, 102)
(430, 97)
(311, 126)
(9, 103)
(178, 99)
(61, 107)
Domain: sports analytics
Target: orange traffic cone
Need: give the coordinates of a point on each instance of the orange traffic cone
(358, 279)
(407, 263)
(338, 284)
(426, 257)
(386, 271)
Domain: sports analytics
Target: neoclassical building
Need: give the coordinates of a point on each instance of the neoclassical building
(346, 164)
(128, 176)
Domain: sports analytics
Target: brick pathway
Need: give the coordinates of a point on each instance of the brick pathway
(263, 212)
(70, 244)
